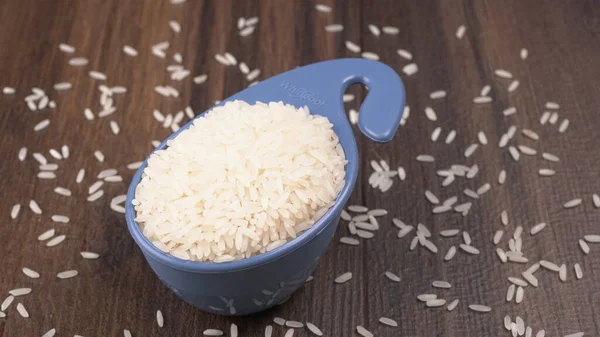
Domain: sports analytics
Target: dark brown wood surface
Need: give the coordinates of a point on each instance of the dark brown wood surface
(119, 291)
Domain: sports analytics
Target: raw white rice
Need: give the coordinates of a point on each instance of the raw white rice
(530, 278)
(314, 329)
(129, 50)
(22, 311)
(503, 73)
(294, 324)
(482, 138)
(113, 179)
(41, 125)
(592, 238)
(200, 79)
(520, 294)
(549, 265)
(49, 167)
(471, 149)
(65, 48)
(374, 30)
(545, 117)
(578, 271)
(14, 212)
(364, 332)
(20, 291)
(431, 197)
(390, 30)
(441, 284)
(410, 69)
(248, 237)
(546, 172)
(347, 98)
(430, 114)
(247, 31)
(46, 175)
(50, 333)
(538, 228)
(89, 255)
(572, 203)
(523, 54)
(322, 8)
(404, 54)
(333, 28)
(78, 61)
(35, 208)
(438, 302)
(60, 218)
(97, 75)
(392, 276)
(513, 86)
(114, 127)
(22, 153)
(469, 249)
(212, 332)
(437, 94)
(596, 200)
(244, 68)
(553, 118)
(460, 31)
(482, 99)
(517, 281)
(550, 157)
(30, 273)
(175, 26)
(479, 308)
(345, 277)
(450, 137)
(89, 115)
(62, 86)
(160, 319)
(80, 176)
(7, 302)
(279, 321)
(230, 58)
(426, 297)
(425, 158)
(357, 209)
(253, 75)
(95, 187)
(449, 232)
(563, 126)
(370, 56)
(388, 321)
(485, 90)
(46, 235)
(575, 334)
(353, 47)
(452, 305)
(530, 134)
(56, 241)
(67, 274)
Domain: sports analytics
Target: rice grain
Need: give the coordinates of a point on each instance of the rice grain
(56, 241)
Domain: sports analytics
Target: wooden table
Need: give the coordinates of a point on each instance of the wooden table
(119, 291)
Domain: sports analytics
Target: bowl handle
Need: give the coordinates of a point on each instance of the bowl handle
(321, 86)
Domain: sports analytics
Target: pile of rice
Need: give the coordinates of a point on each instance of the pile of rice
(242, 180)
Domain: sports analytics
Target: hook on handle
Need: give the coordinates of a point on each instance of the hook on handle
(321, 86)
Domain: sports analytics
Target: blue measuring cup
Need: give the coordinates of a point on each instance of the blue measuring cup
(251, 285)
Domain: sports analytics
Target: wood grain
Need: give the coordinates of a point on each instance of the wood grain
(119, 291)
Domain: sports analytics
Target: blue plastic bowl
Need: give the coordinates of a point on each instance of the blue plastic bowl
(260, 282)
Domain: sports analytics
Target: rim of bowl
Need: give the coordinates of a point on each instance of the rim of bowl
(148, 248)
